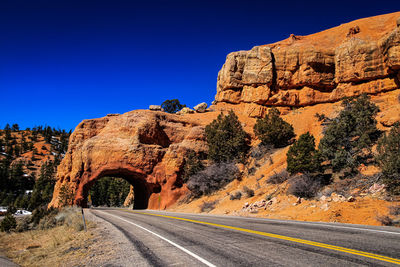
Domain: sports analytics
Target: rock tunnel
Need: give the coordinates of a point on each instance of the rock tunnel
(145, 148)
(142, 189)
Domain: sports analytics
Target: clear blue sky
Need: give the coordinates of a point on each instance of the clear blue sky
(65, 61)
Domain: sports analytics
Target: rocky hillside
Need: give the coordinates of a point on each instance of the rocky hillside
(304, 76)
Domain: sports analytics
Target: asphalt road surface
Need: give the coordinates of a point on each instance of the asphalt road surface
(180, 239)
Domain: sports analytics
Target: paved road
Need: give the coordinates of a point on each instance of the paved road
(180, 239)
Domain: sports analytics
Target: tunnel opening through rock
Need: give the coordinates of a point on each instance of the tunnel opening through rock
(142, 190)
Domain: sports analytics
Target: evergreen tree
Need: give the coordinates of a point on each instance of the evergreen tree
(388, 159)
(15, 127)
(273, 130)
(226, 139)
(172, 106)
(302, 155)
(348, 137)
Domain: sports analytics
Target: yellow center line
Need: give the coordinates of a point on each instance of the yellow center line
(282, 237)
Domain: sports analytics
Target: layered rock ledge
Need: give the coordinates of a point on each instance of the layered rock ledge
(362, 56)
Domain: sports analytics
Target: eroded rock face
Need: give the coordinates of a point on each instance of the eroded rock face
(354, 58)
(144, 147)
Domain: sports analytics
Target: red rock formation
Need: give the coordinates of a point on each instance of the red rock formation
(144, 147)
(353, 58)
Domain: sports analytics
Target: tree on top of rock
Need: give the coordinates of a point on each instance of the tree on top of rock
(227, 141)
(172, 106)
(273, 130)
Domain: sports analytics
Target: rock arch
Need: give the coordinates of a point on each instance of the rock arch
(146, 148)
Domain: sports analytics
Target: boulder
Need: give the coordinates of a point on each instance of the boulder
(398, 22)
(185, 110)
(202, 107)
(155, 108)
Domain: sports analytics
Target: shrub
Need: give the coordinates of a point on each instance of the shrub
(385, 220)
(302, 156)
(23, 224)
(249, 192)
(394, 210)
(388, 158)
(208, 206)
(66, 196)
(236, 195)
(192, 165)
(278, 178)
(352, 131)
(8, 223)
(212, 178)
(305, 185)
(172, 106)
(226, 139)
(273, 130)
(259, 151)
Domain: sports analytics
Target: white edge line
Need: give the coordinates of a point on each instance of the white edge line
(167, 240)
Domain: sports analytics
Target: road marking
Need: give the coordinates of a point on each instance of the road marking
(282, 237)
(166, 240)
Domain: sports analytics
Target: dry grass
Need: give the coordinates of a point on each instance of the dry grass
(63, 245)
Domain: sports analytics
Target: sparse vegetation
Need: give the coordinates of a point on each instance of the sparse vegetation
(212, 178)
(385, 220)
(278, 178)
(226, 139)
(208, 206)
(235, 196)
(394, 210)
(273, 130)
(305, 185)
(248, 192)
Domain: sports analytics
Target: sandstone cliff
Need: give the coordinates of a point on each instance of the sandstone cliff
(362, 56)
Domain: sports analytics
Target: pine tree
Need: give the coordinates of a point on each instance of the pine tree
(347, 138)
(302, 155)
(273, 130)
(388, 159)
(226, 139)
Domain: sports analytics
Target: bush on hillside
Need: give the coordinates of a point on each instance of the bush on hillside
(305, 185)
(278, 178)
(226, 139)
(348, 138)
(172, 106)
(302, 155)
(388, 159)
(212, 178)
(249, 192)
(8, 223)
(273, 130)
(192, 165)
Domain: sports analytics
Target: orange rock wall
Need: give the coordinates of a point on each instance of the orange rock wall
(362, 56)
